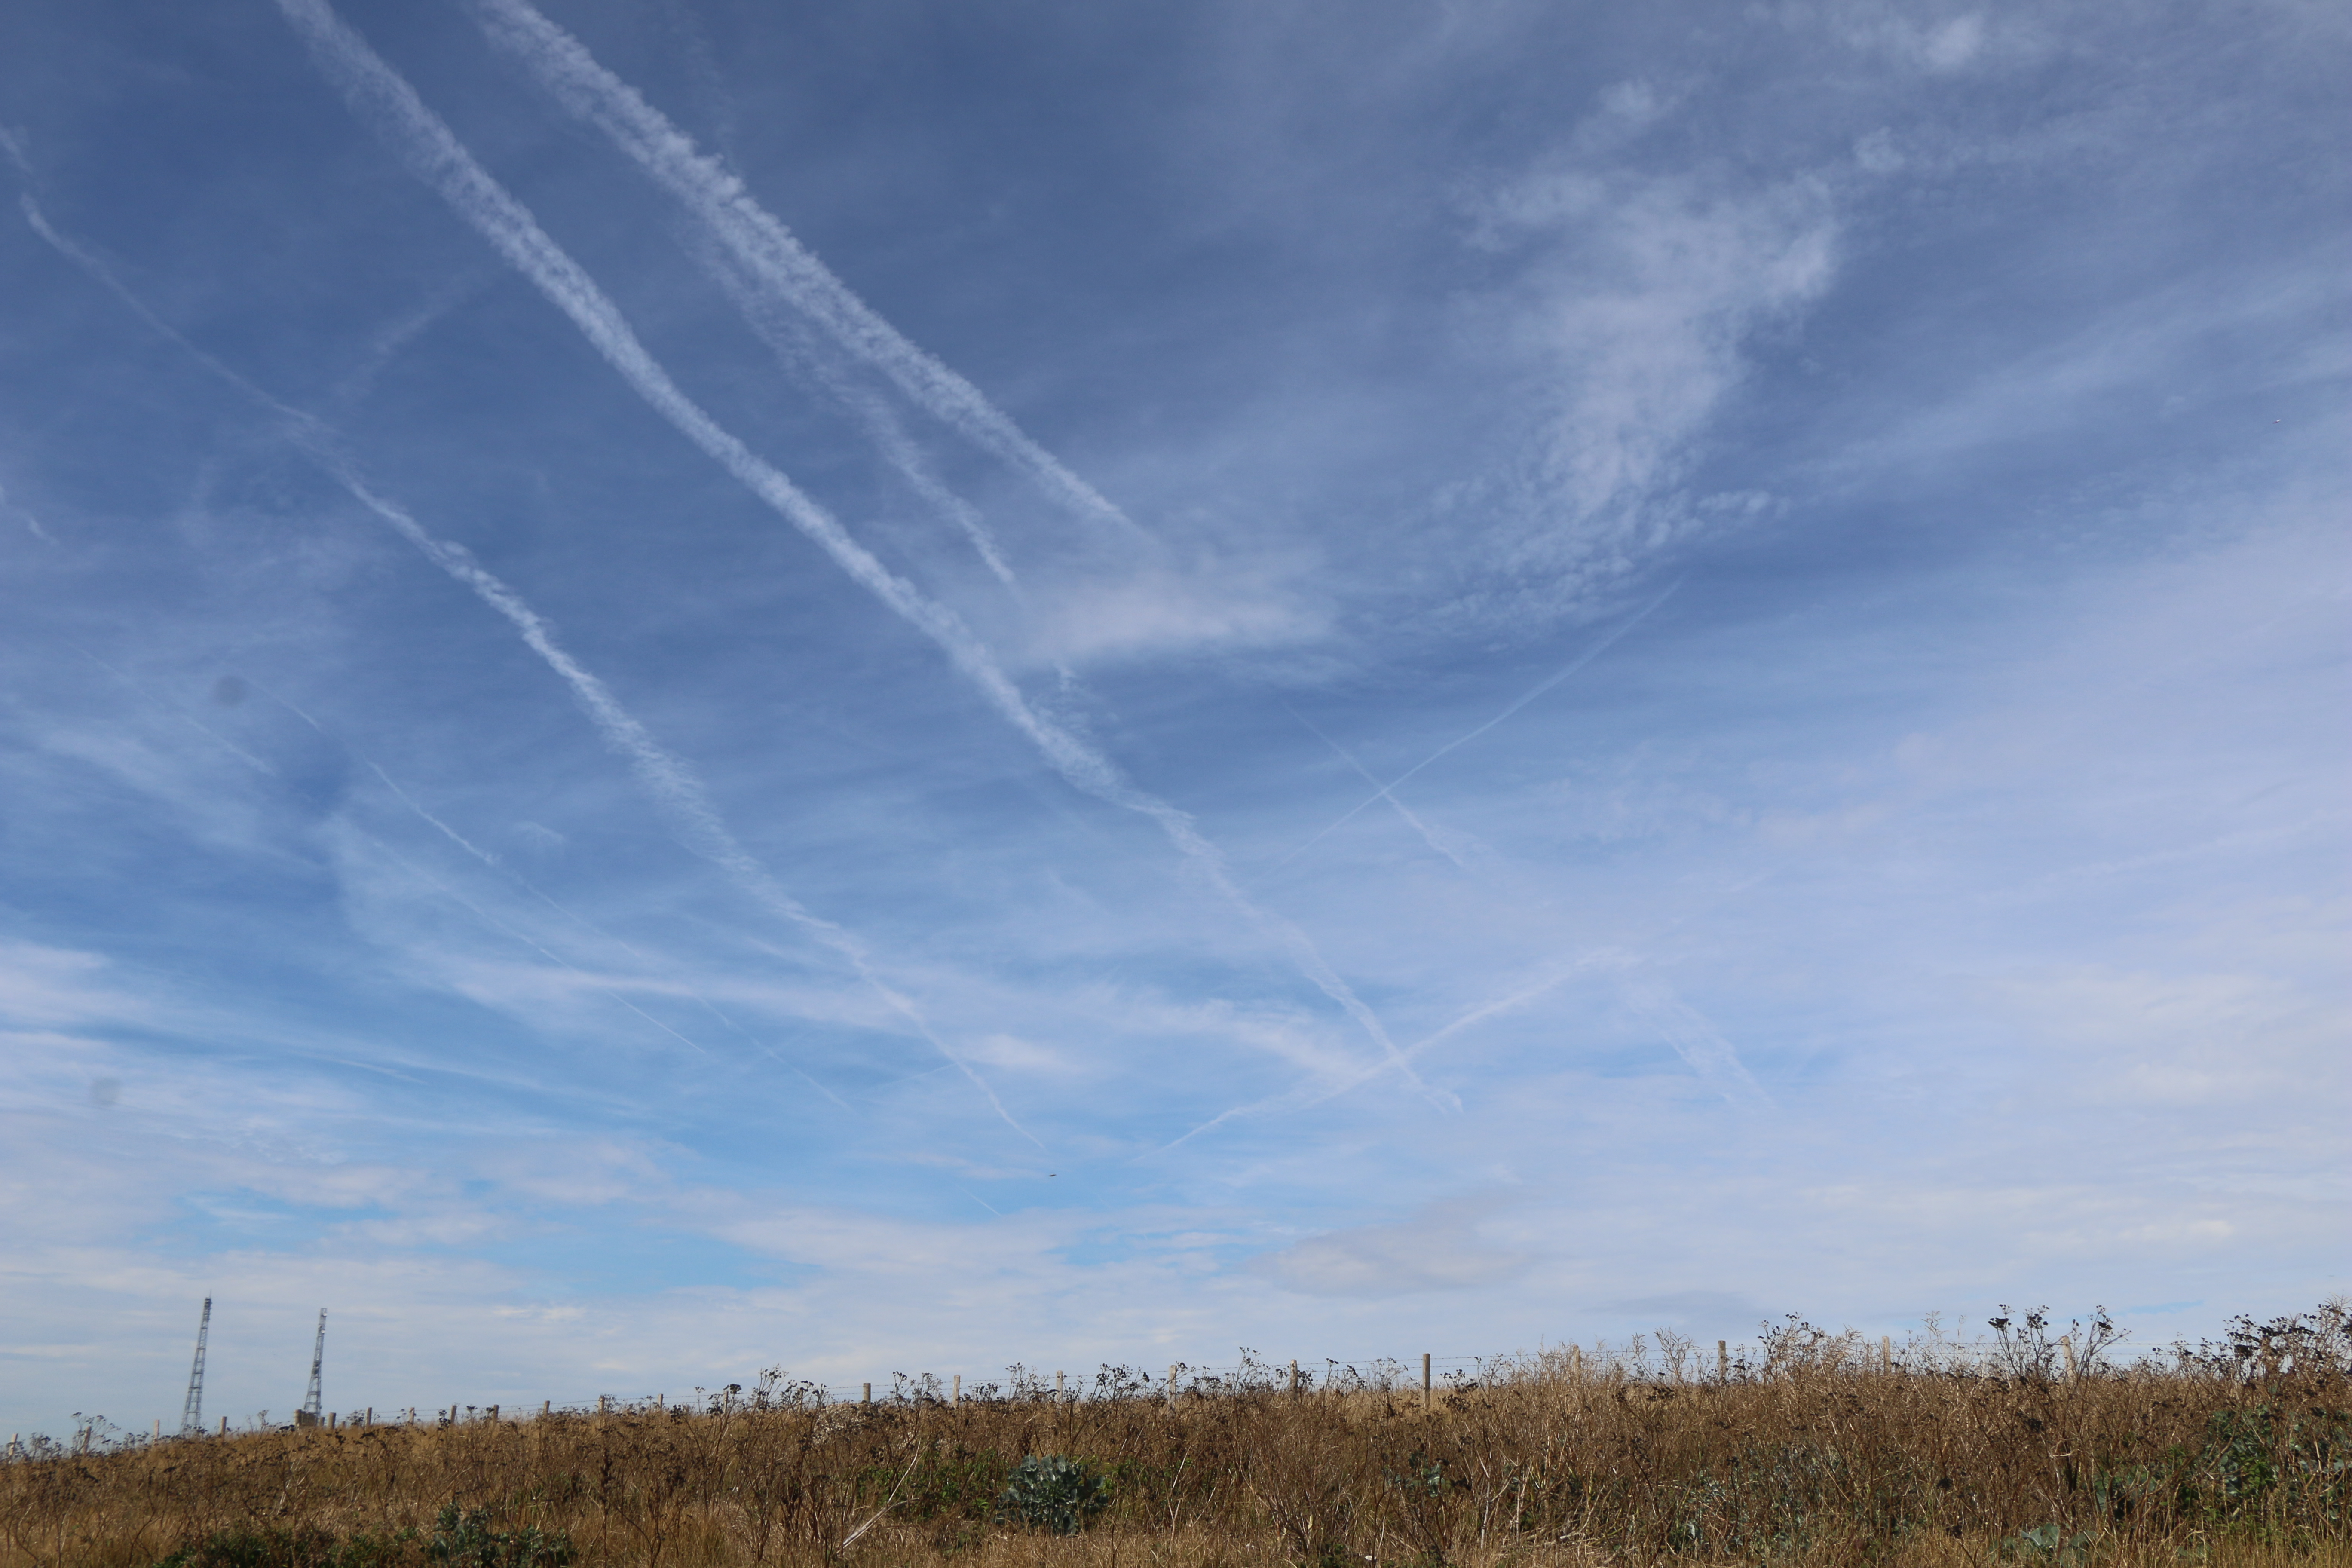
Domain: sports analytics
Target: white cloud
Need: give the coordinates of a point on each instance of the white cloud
(1017, 1055)
(1438, 1249)
(1878, 152)
(2180, 1040)
(1158, 612)
(52, 987)
(1915, 38)
(1627, 330)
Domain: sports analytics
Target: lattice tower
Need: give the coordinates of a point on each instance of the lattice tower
(317, 1354)
(192, 1413)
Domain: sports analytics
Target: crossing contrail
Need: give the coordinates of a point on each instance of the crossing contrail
(766, 249)
(1381, 790)
(1309, 1095)
(1412, 818)
(382, 99)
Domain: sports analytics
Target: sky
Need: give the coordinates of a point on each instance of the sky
(688, 685)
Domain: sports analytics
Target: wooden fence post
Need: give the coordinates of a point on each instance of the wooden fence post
(1886, 1354)
(1427, 1398)
(955, 1396)
(1722, 1362)
(1057, 1386)
(1293, 1378)
(2066, 1344)
(1172, 1385)
(867, 1396)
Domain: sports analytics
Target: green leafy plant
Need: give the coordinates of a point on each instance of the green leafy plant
(302, 1547)
(2049, 1543)
(1055, 1492)
(467, 1540)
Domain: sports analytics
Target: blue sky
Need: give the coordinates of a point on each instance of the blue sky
(692, 685)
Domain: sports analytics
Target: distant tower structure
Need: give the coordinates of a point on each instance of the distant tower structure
(192, 1414)
(318, 1353)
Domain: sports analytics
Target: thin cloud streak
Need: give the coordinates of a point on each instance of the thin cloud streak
(459, 839)
(1501, 1005)
(1381, 790)
(677, 794)
(766, 249)
(1695, 1039)
(1306, 1096)
(207, 731)
(675, 791)
(788, 340)
(382, 99)
(511, 875)
(1403, 810)
(605, 986)
(312, 433)
(262, 766)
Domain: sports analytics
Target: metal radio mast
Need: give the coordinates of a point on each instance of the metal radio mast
(318, 1353)
(192, 1414)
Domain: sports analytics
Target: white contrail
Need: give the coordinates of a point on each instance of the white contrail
(789, 340)
(1508, 1002)
(459, 839)
(260, 766)
(31, 522)
(312, 433)
(1412, 818)
(605, 986)
(536, 892)
(207, 731)
(1695, 1040)
(765, 248)
(527, 885)
(1700, 1044)
(380, 98)
(1578, 662)
(677, 794)
(1309, 1095)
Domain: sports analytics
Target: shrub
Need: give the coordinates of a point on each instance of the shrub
(1052, 1491)
(301, 1547)
(467, 1540)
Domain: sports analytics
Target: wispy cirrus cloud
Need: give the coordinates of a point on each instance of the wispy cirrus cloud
(1634, 300)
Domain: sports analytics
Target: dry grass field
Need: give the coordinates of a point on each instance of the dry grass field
(1822, 1449)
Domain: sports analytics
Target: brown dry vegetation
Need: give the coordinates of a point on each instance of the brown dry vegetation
(1825, 1453)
